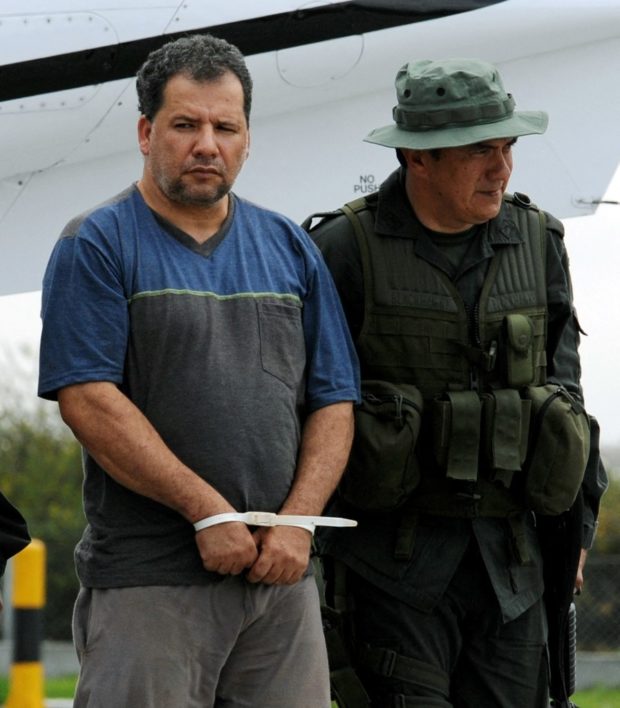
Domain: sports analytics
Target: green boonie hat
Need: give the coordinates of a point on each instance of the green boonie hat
(453, 102)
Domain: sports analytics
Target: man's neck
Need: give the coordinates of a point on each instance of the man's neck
(199, 222)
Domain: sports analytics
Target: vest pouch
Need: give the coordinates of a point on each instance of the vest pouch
(506, 418)
(558, 449)
(517, 350)
(383, 471)
(456, 434)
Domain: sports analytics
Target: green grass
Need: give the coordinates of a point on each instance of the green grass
(62, 687)
(598, 698)
(55, 687)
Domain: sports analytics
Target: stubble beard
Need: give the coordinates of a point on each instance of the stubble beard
(177, 185)
(177, 191)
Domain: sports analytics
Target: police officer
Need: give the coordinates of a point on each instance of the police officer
(459, 291)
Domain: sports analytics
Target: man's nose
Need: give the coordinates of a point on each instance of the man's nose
(205, 143)
(501, 164)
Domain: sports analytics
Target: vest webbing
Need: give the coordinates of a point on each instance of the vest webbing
(416, 330)
(415, 326)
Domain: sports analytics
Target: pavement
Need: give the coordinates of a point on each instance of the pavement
(59, 659)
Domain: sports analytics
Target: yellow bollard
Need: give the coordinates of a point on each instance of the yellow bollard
(26, 679)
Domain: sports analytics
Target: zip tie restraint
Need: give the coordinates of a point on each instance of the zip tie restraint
(267, 518)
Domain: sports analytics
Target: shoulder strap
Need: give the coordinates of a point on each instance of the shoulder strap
(537, 228)
(306, 224)
(522, 201)
(359, 213)
(542, 222)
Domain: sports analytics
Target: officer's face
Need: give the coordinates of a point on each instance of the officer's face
(464, 185)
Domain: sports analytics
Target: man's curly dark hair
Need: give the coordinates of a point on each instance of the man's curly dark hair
(200, 57)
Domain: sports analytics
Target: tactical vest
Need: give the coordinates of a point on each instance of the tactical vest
(416, 331)
(415, 325)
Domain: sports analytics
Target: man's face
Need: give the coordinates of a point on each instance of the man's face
(464, 186)
(198, 140)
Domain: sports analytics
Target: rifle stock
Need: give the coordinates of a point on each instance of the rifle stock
(560, 538)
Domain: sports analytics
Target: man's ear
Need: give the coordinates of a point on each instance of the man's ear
(413, 158)
(416, 161)
(144, 134)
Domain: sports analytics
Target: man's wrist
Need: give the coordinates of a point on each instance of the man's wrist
(252, 518)
(216, 519)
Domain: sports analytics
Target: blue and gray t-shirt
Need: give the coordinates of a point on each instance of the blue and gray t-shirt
(224, 346)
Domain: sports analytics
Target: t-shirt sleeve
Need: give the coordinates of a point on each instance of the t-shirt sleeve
(332, 364)
(84, 312)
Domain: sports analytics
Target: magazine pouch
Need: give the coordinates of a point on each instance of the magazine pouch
(505, 418)
(456, 434)
(383, 471)
(558, 449)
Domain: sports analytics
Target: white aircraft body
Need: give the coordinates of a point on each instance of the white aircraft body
(323, 74)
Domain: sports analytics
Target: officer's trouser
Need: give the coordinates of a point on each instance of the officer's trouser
(461, 654)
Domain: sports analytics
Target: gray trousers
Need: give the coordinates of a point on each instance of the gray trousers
(230, 643)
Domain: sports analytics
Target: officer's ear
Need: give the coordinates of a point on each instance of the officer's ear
(413, 159)
(421, 162)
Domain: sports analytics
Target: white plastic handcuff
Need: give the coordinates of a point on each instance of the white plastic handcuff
(268, 518)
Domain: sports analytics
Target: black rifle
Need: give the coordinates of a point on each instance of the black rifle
(561, 540)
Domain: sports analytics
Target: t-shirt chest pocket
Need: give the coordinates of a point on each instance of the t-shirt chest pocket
(282, 344)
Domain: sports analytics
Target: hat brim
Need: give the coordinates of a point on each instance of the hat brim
(520, 123)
